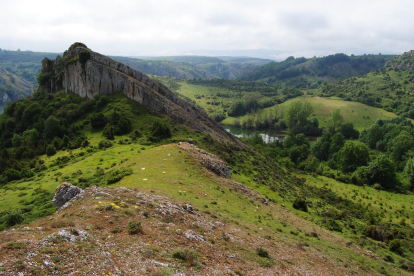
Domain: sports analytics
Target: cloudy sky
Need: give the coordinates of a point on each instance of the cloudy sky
(264, 28)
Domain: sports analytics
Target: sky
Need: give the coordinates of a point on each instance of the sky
(262, 28)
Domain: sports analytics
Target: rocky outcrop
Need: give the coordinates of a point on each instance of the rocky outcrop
(208, 160)
(64, 193)
(405, 61)
(98, 74)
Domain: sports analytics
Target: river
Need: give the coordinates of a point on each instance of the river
(268, 135)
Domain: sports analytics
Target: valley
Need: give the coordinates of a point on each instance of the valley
(145, 150)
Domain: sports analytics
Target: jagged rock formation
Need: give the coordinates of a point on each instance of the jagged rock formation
(87, 73)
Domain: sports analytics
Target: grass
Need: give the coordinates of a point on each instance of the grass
(361, 115)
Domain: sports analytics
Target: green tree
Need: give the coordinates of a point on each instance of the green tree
(30, 137)
(409, 172)
(335, 119)
(109, 132)
(50, 150)
(348, 131)
(321, 148)
(353, 155)
(17, 140)
(297, 114)
(401, 145)
(52, 127)
(337, 142)
(382, 171)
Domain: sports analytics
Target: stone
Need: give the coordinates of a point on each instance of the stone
(64, 193)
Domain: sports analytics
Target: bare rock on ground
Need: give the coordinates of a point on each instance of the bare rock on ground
(65, 192)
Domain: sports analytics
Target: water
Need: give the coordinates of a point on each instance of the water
(268, 135)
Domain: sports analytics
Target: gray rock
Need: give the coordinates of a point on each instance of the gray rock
(191, 235)
(64, 193)
(189, 209)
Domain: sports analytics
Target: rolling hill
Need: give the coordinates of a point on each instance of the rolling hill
(310, 73)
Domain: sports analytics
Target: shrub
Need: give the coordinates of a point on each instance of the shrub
(262, 252)
(50, 150)
(300, 204)
(106, 207)
(12, 174)
(84, 56)
(160, 130)
(98, 120)
(13, 218)
(187, 255)
(109, 132)
(134, 227)
(26, 173)
(116, 175)
(43, 78)
(395, 246)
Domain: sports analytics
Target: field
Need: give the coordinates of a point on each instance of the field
(361, 115)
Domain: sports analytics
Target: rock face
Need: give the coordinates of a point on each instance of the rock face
(208, 160)
(64, 193)
(98, 74)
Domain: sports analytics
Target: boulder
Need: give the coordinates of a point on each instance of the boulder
(64, 193)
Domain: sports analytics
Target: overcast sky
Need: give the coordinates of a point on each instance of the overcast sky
(175, 27)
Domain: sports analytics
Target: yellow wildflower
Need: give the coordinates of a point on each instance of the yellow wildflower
(117, 207)
(113, 204)
(100, 202)
(96, 206)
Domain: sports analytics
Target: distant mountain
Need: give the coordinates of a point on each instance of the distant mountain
(24, 64)
(12, 88)
(310, 73)
(198, 67)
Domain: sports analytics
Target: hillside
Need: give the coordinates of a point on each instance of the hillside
(360, 115)
(310, 73)
(190, 67)
(24, 64)
(207, 202)
(389, 88)
(12, 88)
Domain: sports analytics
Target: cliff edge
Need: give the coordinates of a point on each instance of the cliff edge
(87, 73)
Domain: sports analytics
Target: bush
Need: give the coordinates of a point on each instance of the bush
(134, 227)
(13, 218)
(262, 252)
(43, 78)
(116, 175)
(104, 144)
(84, 56)
(395, 246)
(300, 204)
(187, 255)
(98, 120)
(160, 130)
(12, 174)
(109, 132)
(50, 150)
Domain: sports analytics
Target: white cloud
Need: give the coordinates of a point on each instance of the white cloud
(167, 27)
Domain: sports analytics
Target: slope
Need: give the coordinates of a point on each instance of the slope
(310, 73)
(389, 88)
(12, 88)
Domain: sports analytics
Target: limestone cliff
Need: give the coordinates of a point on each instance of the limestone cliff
(405, 61)
(87, 73)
